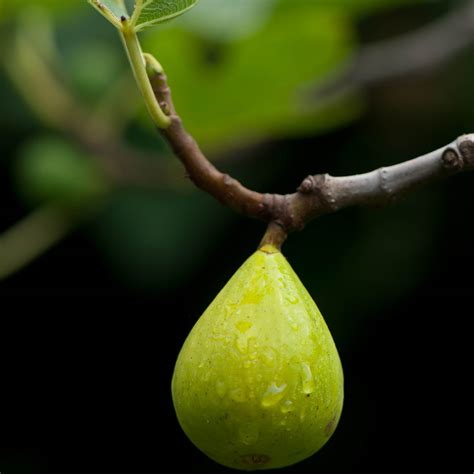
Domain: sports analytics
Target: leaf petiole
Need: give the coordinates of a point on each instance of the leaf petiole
(137, 61)
(136, 12)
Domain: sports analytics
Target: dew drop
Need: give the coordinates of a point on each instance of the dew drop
(237, 395)
(307, 378)
(221, 389)
(231, 309)
(253, 348)
(249, 433)
(287, 407)
(269, 356)
(273, 395)
(242, 344)
(291, 299)
(243, 326)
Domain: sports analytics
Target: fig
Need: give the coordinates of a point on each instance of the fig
(258, 383)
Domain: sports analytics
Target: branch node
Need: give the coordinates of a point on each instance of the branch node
(228, 180)
(323, 191)
(165, 107)
(452, 160)
(307, 186)
(384, 183)
(466, 148)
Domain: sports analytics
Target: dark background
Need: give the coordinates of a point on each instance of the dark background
(87, 359)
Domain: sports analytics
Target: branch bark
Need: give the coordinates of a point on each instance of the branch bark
(318, 194)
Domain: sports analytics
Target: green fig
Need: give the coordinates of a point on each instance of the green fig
(258, 383)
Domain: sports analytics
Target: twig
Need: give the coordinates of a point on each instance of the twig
(430, 46)
(317, 195)
(31, 237)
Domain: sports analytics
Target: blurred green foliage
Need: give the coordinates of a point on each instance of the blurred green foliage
(51, 170)
(238, 70)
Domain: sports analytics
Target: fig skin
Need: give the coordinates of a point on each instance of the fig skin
(258, 383)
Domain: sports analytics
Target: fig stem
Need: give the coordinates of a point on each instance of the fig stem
(275, 236)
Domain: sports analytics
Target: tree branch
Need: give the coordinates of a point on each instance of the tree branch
(201, 171)
(323, 194)
(429, 47)
(318, 194)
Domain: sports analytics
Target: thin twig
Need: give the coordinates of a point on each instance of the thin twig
(317, 195)
(428, 47)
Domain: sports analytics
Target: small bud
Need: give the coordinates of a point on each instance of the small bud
(307, 186)
(451, 160)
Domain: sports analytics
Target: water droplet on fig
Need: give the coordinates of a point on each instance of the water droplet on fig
(273, 395)
(249, 433)
(237, 395)
(307, 379)
(287, 407)
(221, 388)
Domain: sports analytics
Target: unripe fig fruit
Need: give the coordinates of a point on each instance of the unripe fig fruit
(258, 383)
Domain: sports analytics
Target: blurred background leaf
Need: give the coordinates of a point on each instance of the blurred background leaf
(154, 12)
(49, 170)
(251, 82)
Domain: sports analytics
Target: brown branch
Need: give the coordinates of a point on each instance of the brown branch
(428, 47)
(323, 194)
(201, 171)
(317, 195)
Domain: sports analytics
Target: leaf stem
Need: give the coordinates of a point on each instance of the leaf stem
(132, 45)
(136, 12)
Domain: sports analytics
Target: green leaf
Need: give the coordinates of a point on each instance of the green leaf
(219, 20)
(252, 81)
(157, 11)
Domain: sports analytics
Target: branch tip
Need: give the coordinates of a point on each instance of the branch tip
(452, 160)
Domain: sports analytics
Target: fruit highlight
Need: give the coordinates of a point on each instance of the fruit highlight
(258, 383)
